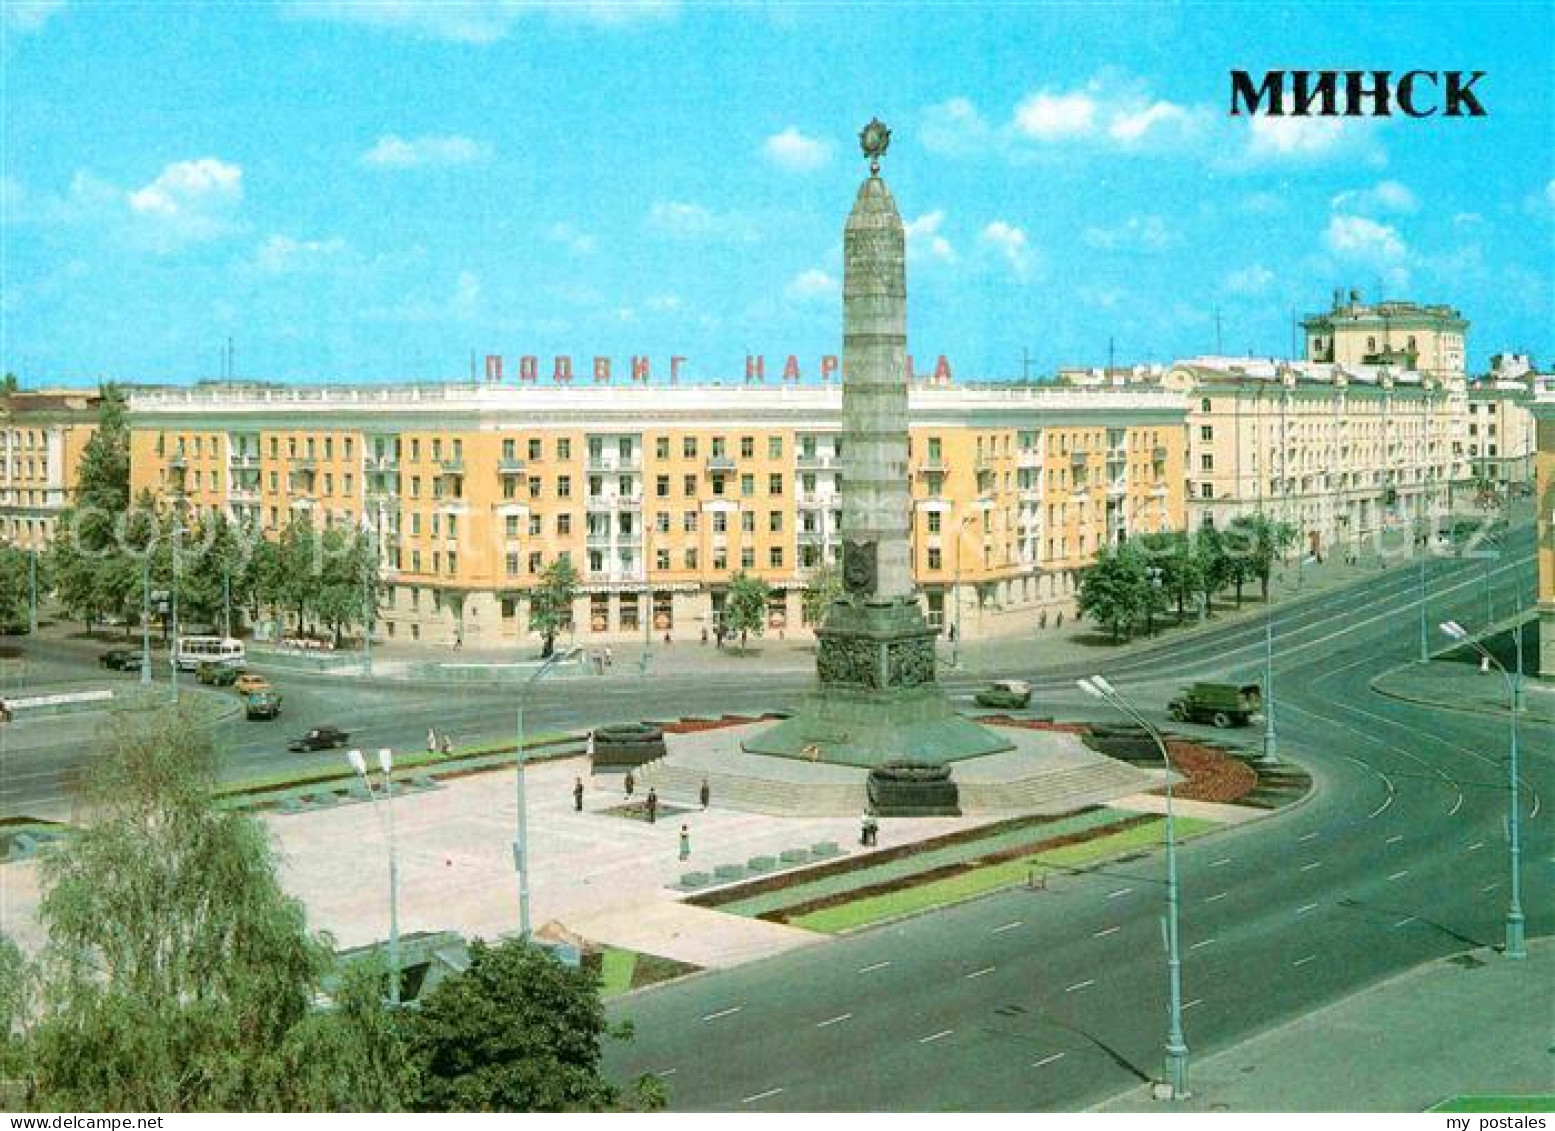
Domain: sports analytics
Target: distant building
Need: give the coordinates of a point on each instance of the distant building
(1544, 507)
(42, 438)
(1500, 440)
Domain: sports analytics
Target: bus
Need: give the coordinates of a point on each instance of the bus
(192, 651)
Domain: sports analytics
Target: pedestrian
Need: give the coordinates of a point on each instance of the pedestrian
(448, 745)
(609, 656)
(704, 634)
(863, 829)
(458, 641)
(631, 783)
(652, 805)
(685, 842)
(874, 830)
(705, 793)
(431, 741)
(666, 638)
(577, 796)
(952, 634)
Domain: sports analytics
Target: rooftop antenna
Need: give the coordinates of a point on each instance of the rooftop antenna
(1217, 332)
(1111, 354)
(1025, 364)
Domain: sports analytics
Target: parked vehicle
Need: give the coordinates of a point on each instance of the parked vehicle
(191, 651)
(319, 738)
(120, 660)
(217, 674)
(248, 683)
(262, 705)
(1223, 704)
(1006, 693)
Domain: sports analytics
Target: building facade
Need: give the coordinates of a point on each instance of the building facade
(1344, 452)
(1543, 406)
(43, 436)
(1500, 437)
(659, 495)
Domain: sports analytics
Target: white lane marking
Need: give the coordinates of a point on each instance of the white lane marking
(1304, 961)
(1395, 838)
(876, 966)
(837, 1020)
(1404, 922)
(1194, 1002)
(1106, 931)
(980, 973)
(1399, 875)
(1202, 942)
(1213, 898)
(1476, 846)
(935, 1036)
(761, 1095)
(723, 1013)
(1491, 887)
(1307, 837)
(1379, 810)
(1218, 863)
(1313, 864)
(1079, 985)
(1006, 927)
(669, 1072)
(1304, 908)
(1120, 891)
(1048, 1060)
(1456, 805)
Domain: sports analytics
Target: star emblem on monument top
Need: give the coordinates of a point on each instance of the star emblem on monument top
(874, 139)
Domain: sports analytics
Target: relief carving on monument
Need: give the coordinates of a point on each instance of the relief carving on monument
(912, 662)
(848, 661)
(859, 567)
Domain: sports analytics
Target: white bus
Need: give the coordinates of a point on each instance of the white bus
(192, 651)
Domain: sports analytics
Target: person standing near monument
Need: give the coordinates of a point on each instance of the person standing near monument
(705, 794)
(577, 796)
(631, 783)
(685, 842)
(652, 805)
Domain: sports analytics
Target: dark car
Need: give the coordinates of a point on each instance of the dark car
(262, 705)
(1007, 693)
(319, 738)
(217, 675)
(120, 660)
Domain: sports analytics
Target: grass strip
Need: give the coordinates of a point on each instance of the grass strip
(980, 881)
(616, 969)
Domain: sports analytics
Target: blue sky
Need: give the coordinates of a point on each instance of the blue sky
(370, 191)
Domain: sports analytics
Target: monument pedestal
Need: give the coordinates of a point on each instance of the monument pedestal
(877, 701)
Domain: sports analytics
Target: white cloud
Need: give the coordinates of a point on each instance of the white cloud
(188, 202)
(664, 304)
(795, 152)
(1111, 109)
(28, 15)
(1364, 240)
(282, 255)
(1053, 117)
(392, 152)
(1137, 233)
(681, 220)
(1249, 280)
(1010, 243)
(1132, 125)
(813, 285)
(1298, 140)
(571, 237)
(955, 128)
(1384, 196)
(473, 21)
(923, 237)
(1541, 202)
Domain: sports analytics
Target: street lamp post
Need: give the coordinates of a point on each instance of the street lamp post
(369, 598)
(1515, 946)
(521, 841)
(1271, 752)
(646, 610)
(1176, 1048)
(386, 764)
(145, 613)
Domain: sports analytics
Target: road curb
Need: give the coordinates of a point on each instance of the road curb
(1421, 701)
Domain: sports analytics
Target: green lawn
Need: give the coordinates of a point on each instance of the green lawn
(616, 970)
(953, 889)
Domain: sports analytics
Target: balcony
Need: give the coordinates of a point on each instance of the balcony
(244, 493)
(1117, 488)
(816, 461)
(613, 464)
(1029, 457)
(304, 463)
(932, 465)
(453, 465)
(383, 462)
(1079, 459)
(509, 465)
(720, 463)
(244, 459)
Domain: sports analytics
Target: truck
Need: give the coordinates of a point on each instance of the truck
(1223, 704)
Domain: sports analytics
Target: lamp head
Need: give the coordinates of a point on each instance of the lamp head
(357, 764)
(1089, 687)
(1453, 629)
(1101, 682)
(386, 759)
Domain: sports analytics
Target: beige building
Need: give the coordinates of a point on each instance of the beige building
(1344, 452)
(658, 495)
(1500, 440)
(42, 438)
(1543, 406)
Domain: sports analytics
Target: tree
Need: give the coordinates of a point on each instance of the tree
(1209, 551)
(550, 603)
(745, 606)
(516, 1031)
(175, 968)
(103, 478)
(1172, 553)
(1116, 590)
(15, 586)
(1260, 540)
(9, 384)
(822, 587)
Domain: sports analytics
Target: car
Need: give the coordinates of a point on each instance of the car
(261, 705)
(1006, 693)
(120, 660)
(248, 683)
(217, 674)
(319, 738)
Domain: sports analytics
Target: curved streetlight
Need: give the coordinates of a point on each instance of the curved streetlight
(1176, 1049)
(386, 765)
(521, 838)
(1515, 946)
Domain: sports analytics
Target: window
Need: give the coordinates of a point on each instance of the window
(534, 561)
(534, 487)
(688, 522)
(661, 450)
(536, 524)
(774, 484)
(661, 522)
(775, 557)
(415, 448)
(661, 559)
(415, 486)
(564, 486)
(534, 449)
(564, 448)
(688, 447)
(719, 447)
(437, 448)
(720, 522)
(661, 486)
(775, 521)
(774, 447)
(747, 447)
(934, 522)
(720, 560)
(1206, 432)
(748, 558)
(510, 486)
(934, 557)
(509, 449)
(748, 522)
(564, 524)
(691, 558)
(510, 526)
(512, 566)
(1204, 405)
(1206, 491)
(747, 485)
(689, 487)
(935, 449)
(1206, 462)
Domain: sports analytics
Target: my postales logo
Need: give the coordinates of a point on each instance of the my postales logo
(1356, 94)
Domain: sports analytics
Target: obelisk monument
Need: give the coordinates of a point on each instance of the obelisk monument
(877, 699)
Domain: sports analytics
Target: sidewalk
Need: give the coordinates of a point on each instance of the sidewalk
(1463, 687)
(1475, 1023)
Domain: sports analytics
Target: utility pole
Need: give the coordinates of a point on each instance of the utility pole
(1217, 332)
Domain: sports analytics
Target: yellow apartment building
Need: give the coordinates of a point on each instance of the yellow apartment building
(1500, 437)
(1543, 405)
(42, 438)
(658, 495)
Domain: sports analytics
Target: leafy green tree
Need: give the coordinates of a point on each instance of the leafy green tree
(1213, 564)
(745, 606)
(103, 479)
(15, 585)
(9, 384)
(1116, 590)
(1172, 553)
(516, 1031)
(348, 581)
(822, 587)
(550, 602)
(1260, 541)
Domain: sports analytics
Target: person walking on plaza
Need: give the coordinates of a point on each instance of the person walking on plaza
(631, 783)
(431, 741)
(448, 745)
(577, 796)
(705, 793)
(685, 842)
(652, 805)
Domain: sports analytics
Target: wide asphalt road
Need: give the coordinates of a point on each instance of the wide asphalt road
(1056, 999)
